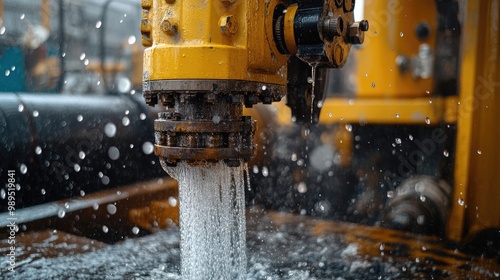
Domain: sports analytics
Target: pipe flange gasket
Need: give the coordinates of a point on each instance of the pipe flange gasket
(202, 126)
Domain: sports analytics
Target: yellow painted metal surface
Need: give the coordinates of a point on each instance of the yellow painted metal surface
(214, 39)
(392, 33)
(477, 192)
(289, 31)
(420, 111)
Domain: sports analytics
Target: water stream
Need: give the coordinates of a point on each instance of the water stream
(212, 221)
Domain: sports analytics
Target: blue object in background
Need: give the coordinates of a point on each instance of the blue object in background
(12, 70)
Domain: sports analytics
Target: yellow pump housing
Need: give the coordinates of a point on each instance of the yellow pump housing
(212, 40)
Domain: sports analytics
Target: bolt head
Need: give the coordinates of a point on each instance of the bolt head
(228, 24)
(168, 27)
(356, 35)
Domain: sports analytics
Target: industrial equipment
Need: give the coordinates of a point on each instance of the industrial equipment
(402, 106)
(205, 62)
(403, 137)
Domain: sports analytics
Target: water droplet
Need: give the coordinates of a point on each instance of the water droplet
(320, 104)
(446, 153)
(398, 141)
(147, 148)
(125, 121)
(401, 34)
(43, 192)
(479, 152)
(82, 56)
(265, 171)
(422, 198)
(421, 219)
(127, 112)
(7, 73)
(38, 150)
(22, 16)
(79, 118)
(373, 85)
(105, 180)
(135, 230)
(113, 153)
(294, 157)
(142, 116)
(397, 115)
(428, 92)
(77, 167)
(255, 169)
(2, 30)
(3, 194)
(20, 108)
(310, 80)
(348, 127)
(427, 120)
(81, 155)
(95, 206)
(111, 208)
(216, 119)
(330, 114)
(105, 229)
(61, 213)
(110, 129)
(86, 62)
(461, 202)
(302, 187)
(430, 101)
(172, 201)
(63, 54)
(13, 68)
(23, 168)
(100, 174)
(410, 137)
(131, 40)
(36, 113)
(82, 193)
(390, 194)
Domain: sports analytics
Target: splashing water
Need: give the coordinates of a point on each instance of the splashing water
(212, 220)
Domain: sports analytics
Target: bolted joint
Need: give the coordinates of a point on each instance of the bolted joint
(228, 24)
(168, 26)
(357, 32)
(332, 27)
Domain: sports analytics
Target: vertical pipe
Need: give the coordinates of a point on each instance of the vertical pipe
(62, 65)
(468, 74)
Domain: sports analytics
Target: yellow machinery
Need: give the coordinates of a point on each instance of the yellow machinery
(204, 61)
(388, 94)
(219, 55)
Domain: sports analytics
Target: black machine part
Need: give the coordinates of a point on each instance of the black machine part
(62, 146)
(420, 205)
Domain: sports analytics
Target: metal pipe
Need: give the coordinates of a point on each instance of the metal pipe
(64, 146)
